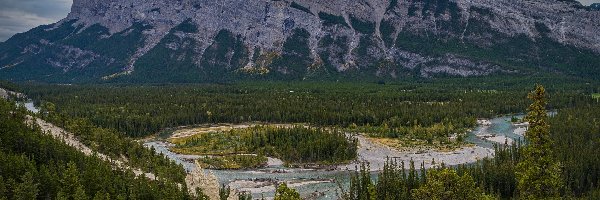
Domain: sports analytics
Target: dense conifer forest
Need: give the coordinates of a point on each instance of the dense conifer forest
(34, 165)
(559, 160)
(109, 119)
(139, 111)
(295, 145)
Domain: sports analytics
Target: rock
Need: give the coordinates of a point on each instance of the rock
(263, 36)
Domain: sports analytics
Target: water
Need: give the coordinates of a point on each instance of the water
(29, 106)
(500, 126)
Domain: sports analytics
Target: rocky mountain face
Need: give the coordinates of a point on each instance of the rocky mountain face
(215, 40)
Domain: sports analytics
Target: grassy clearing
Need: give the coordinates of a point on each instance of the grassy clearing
(596, 96)
(406, 144)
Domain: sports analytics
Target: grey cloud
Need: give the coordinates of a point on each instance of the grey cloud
(18, 16)
(589, 2)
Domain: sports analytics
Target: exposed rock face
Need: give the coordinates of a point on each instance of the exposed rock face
(303, 38)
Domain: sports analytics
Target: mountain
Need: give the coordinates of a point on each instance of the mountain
(216, 40)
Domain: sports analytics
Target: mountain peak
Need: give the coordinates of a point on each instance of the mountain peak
(140, 40)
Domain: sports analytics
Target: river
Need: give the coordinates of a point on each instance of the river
(322, 184)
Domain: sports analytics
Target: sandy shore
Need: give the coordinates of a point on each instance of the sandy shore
(377, 154)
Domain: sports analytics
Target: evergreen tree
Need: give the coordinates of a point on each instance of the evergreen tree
(71, 186)
(538, 174)
(285, 193)
(447, 184)
(101, 195)
(80, 194)
(3, 190)
(224, 192)
(244, 196)
(200, 194)
(27, 189)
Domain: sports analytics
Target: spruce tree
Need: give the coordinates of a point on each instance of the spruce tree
(538, 174)
(27, 189)
(283, 192)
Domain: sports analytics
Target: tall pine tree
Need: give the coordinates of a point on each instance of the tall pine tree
(538, 173)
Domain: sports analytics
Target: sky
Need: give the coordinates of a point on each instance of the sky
(17, 16)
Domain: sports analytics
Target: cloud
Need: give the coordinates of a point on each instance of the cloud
(17, 16)
(588, 2)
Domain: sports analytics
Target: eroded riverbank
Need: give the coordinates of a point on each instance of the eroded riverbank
(324, 184)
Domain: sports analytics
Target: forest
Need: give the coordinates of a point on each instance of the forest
(34, 165)
(559, 160)
(295, 145)
(142, 110)
(109, 119)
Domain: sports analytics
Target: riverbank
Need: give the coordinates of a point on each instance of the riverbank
(377, 154)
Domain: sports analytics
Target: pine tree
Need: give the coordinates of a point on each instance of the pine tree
(80, 194)
(71, 186)
(27, 189)
(447, 184)
(224, 192)
(3, 190)
(101, 195)
(538, 174)
(283, 192)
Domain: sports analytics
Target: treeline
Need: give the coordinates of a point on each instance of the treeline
(398, 182)
(575, 132)
(295, 145)
(34, 165)
(143, 110)
(299, 145)
(559, 160)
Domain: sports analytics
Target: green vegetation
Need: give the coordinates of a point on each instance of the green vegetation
(574, 132)
(283, 192)
(447, 184)
(596, 96)
(538, 174)
(296, 146)
(115, 145)
(332, 20)
(512, 53)
(506, 175)
(295, 57)
(364, 27)
(34, 165)
(139, 111)
(395, 182)
(300, 7)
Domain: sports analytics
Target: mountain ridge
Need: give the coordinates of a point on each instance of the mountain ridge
(192, 41)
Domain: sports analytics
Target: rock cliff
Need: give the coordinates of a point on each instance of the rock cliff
(213, 40)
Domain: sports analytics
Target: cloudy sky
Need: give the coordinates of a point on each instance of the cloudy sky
(18, 16)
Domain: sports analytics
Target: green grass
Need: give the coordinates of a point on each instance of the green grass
(596, 96)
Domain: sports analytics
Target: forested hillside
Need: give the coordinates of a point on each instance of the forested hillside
(570, 144)
(34, 165)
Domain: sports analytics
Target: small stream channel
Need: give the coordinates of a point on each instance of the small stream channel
(306, 178)
(319, 184)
